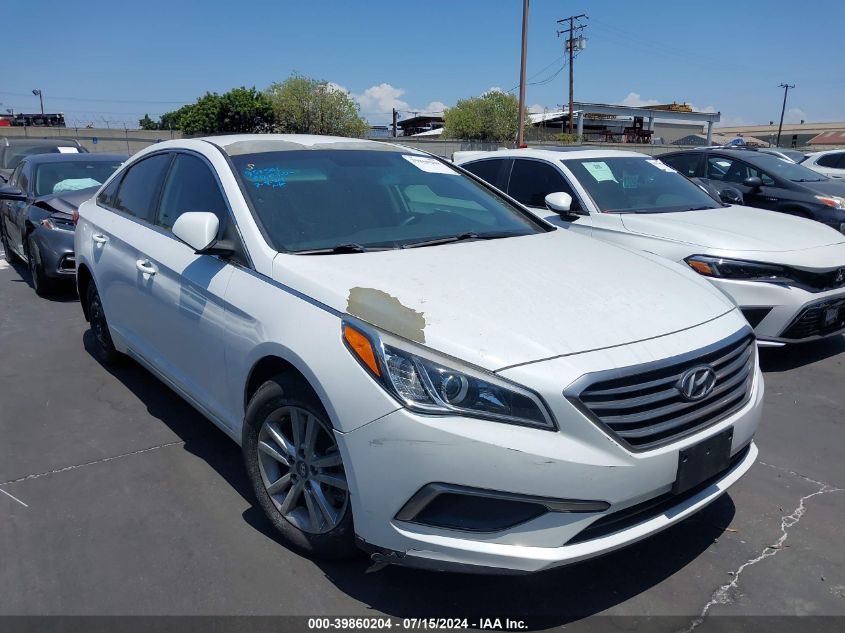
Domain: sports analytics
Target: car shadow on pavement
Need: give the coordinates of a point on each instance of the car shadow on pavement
(65, 290)
(546, 599)
(780, 359)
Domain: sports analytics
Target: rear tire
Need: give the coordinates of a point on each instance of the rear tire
(296, 469)
(104, 349)
(43, 285)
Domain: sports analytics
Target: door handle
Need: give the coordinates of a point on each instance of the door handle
(145, 267)
(99, 239)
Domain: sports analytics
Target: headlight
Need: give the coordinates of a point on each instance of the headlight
(427, 383)
(832, 201)
(737, 269)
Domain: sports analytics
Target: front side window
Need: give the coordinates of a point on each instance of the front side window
(828, 160)
(140, 186)
(63, 176)
(637, 185)
(308, 200)
(190, 186)
(735, 171)
(531, 181)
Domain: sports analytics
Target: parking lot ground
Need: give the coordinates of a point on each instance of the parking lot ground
(117, 498)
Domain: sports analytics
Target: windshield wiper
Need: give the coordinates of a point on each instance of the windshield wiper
(338, 250)
(463, 237)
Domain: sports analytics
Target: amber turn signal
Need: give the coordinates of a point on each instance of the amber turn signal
(362, 348)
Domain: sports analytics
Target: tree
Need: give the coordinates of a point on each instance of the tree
(239, 111)
(309, 106)
(147, 123)
(494, 116)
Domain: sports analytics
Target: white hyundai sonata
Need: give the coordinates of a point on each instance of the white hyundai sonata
(411, 362)
(786, 273)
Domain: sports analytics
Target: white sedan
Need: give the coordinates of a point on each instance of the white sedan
(831, 163)
(392, 344)
(786, 273)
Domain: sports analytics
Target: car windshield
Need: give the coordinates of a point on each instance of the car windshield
(348, 200)
(14, 155)
(786, 169)
(637, 185)
(65, 175)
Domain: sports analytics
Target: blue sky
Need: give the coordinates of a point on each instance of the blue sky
(112, 62)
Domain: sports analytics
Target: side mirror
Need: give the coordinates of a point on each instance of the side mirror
(11, 193)
(198, 229)
(559, 202)
(753, 182)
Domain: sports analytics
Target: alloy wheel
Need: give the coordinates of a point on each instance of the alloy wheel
(98, 324)
(302, 470)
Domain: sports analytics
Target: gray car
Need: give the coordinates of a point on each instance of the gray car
(14, 150)
(36, 211)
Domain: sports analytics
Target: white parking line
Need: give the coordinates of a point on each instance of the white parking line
(13, 498)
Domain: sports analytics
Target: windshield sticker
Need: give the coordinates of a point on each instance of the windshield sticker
(630, 181)
(662, 166)
(600, 171)
(430, 165)
(67, 150)
(274, 177)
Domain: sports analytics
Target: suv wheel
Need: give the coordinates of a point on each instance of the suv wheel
(41, 283)
(104, 349)
(296, 469)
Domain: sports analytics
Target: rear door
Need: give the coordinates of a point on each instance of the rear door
(532, 180)
(183, 292)
(121, 225)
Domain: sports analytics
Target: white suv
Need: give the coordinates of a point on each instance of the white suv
(412, 361)
(831, 162)
(786, 273)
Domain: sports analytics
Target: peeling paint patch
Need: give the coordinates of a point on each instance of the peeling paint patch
(386, 311)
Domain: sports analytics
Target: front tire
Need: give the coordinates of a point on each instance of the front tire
(41, 283)
(296, 469)
(104, 349)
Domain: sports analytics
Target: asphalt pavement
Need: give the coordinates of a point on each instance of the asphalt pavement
(117, 498)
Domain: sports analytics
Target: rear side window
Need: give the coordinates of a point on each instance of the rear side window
(687, 164)
(531, 181)
(828, 160)
(487, 170)
(138, 191)
(191, 186)
(107, 195)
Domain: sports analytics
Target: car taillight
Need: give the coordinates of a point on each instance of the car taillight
(75, 216)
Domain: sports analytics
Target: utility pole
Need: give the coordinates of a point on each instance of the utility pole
(786, 88)
(520, 135)
(40, 99)
(571, 44)
(394, 122)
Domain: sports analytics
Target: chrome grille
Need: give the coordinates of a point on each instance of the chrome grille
(642, 406)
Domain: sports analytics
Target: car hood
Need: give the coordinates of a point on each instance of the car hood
(734, 228)
(829, 187)
(509, 301)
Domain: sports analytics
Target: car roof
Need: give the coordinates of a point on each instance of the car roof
(556, 154)
(36, 142)
(236, 144)
(38, 159)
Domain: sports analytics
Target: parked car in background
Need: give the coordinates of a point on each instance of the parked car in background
(36, 208)
(830, 163)
(787, 274)
(767, 182)
(782, 152)
(13, 150)
(391, 339)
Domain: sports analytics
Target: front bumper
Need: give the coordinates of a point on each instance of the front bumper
(782, 308)
(390, 460)
(55, 251)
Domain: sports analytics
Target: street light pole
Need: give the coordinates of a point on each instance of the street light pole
(520, 136)
(786, 88)
(40, 99)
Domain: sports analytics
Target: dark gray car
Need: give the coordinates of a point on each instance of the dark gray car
(14, 150)
(37, 206)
